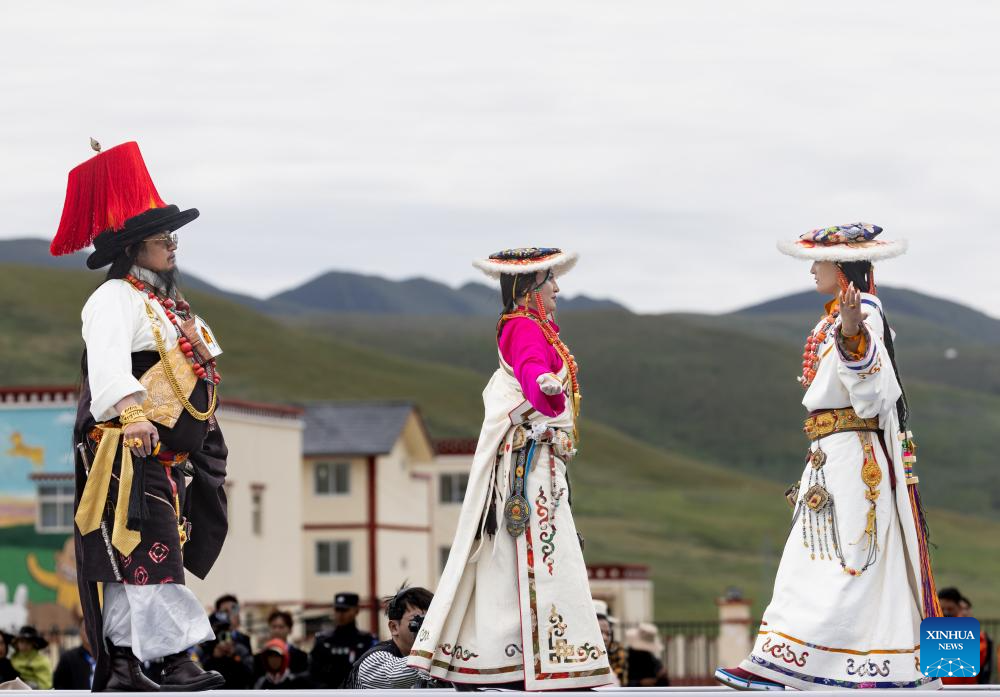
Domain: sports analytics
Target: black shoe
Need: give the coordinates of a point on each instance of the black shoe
(126, 673)
(181, 674)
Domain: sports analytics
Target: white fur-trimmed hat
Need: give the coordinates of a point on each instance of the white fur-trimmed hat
(851, 242)
(527, 260)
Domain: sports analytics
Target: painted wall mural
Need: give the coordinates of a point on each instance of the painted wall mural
(37, 563)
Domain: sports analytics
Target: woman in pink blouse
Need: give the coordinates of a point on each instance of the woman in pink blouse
(513, 606)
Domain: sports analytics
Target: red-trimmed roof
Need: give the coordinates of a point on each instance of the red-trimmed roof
(51, 476)
(262, 408)
(618, 572)
(37, 393)
(456, 446)
(33, 394)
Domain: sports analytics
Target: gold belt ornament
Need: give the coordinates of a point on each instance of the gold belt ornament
(837, 421)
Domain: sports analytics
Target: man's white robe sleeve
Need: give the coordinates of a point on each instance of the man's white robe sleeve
(110, 324)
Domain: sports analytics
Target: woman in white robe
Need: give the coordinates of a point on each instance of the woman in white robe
(513, 605)
(854, 580)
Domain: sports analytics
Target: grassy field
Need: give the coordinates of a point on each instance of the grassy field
(701, 523)
(723, 389)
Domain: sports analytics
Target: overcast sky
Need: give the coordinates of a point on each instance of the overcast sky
(671, 143)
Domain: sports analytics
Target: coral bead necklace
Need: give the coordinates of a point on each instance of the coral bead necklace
(172, 308)
(810, 354)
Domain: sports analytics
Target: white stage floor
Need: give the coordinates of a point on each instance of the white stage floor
(980, 690)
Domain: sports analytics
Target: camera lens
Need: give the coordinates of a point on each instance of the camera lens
(415, 623)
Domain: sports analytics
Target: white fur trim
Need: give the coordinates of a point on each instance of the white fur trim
(873, 250)
(560, 264)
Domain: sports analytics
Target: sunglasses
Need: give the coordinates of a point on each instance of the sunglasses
(166, 238)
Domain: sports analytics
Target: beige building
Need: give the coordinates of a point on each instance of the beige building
(626, 588)
(449, 475)
(366, 501)
(261, 561)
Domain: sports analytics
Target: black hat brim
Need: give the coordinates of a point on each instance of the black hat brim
(110, 244)
(39, 642)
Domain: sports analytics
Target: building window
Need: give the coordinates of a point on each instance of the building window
(443, 553)
(453, 487)
(332, 478)
(333, 557)
(257, 510)
(55, 507)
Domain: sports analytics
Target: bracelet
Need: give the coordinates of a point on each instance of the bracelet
(851, 337)
(132, 415)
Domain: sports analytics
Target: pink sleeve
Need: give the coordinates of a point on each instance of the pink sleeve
(525, 349)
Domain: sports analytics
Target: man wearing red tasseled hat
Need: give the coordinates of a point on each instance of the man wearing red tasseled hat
(145, 424)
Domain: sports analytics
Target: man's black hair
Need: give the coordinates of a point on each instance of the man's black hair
(227, 598)
(285, 617)
(395, 607)
(950, 593)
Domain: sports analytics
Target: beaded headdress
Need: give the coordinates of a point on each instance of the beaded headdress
(527, 260)
(851, 242)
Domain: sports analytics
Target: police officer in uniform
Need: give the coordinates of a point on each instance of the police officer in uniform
(335, 652)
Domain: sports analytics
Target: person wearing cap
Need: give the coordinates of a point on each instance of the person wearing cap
(279, 624)
(855, 579)
(145, 427)
(334, 652)
(645, 657)
(516, 555)
(276, 662)
(32, 666)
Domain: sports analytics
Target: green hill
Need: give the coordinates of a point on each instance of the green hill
(723, 389)
(701, 527)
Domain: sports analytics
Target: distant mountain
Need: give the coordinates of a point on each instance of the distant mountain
(35, 252)
(971, 324)
(346, 292)
(331, 292)
(28, 251)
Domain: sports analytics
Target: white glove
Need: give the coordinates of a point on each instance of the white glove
(549, 384)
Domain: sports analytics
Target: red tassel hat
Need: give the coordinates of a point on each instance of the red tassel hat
(111, 202)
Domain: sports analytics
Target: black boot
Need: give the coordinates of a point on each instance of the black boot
(126, 673)
(181, 674)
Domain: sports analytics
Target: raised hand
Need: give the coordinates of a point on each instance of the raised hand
(851, 316)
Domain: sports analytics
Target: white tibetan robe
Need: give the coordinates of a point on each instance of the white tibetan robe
(510, 609)
(826, 628)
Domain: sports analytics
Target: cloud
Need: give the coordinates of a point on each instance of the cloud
(671, 143)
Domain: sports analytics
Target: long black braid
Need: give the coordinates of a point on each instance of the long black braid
(860, 274)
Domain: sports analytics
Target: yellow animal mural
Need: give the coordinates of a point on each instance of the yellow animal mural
(20, 449)
(62, 580)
